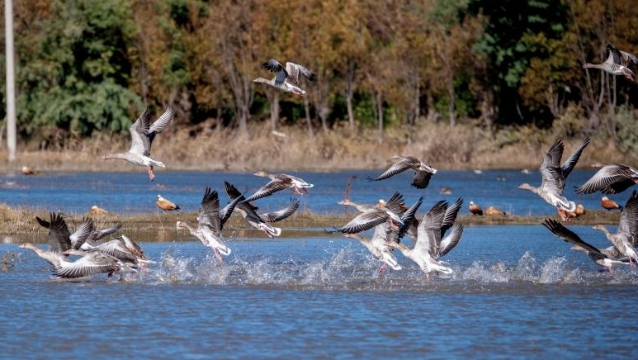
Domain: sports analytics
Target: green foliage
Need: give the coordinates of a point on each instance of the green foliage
(76, 75)
(627, 131)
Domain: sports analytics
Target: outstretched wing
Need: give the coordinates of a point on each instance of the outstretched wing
(281, 214)
(139, 129)
(280, 72)
(569, 164)
(159, 125)
(294, 70)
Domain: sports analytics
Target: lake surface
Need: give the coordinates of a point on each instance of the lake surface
(132, 193)
(516, 291)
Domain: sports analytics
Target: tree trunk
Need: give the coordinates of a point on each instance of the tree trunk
(306, 105)
(349, 94)
(273, 98)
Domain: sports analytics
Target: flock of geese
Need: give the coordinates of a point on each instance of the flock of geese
(431, 236)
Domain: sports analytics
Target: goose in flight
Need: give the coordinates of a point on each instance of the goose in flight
(425, 252)
(279, 182)
(422, 171)
(610, 179)
(616, 63)
(374, 216)
(210, 222)
(626, 235)
(142, 135)
(596, 255)
(249, 212)
(286, 78)
(554, 175)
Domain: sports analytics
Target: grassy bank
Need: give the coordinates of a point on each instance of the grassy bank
(201, 147)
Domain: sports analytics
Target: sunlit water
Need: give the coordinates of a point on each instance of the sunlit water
(130, 193)
(516, 291)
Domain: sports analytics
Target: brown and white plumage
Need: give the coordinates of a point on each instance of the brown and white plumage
(166, 204)
(279, 182)
(95, 210)
(475, 209)
(609, 204)
(422, 171)
(210, 222)
(554, 175)
(290, 73)
(248, 211)
(610, 179)
(142, 135)
(569, 236)
(616, 63)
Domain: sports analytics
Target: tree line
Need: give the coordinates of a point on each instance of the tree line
(92, 65)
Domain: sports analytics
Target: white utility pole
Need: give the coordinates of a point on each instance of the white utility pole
(11, 90)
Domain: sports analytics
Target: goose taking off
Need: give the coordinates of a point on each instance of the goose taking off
(554, 175)
(90, 263)
(279, 182)
(610, 179)
(626, 235)
(616, 63)
(596, 255)
(422, 171)
(428, 242)
(142, 135)
(259, 222)
(60, 238)
(286, 78)
(210, 222)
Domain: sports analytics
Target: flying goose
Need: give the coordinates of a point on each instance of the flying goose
(626, 234)
(142, 135)
(60, 238)
(279, 182)
(554, 175)
(596, 255)
(374, 216)
(610, 179)
(210, 222)
(422, 171)
(259, 222)
(616, 63)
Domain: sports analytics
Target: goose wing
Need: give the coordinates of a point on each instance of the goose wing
(628, 223)
(450, 215)
(400, 166)
(93, 263)
(281, 214)
(429, 233)
(82, 233)
(610, 179)
(421, 179)
(280, 72)
(364, 221)
(569, 164)
(59, 234)
(270, 188)
(208, 215)
(449, 242)
(242, 203)
(569, 236)
(98, 234)
(159, 125)
(294, 70)
(117, 248)
(139, 129)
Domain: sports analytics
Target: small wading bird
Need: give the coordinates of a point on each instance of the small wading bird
(286, 78)
(210, 223)
(609, 204)
(279, 182)
(166, 204)
(610, 179)
(422, 171)
(616, 63)
(601, 258)
(142, 135)
(554, 175)
(475, 209)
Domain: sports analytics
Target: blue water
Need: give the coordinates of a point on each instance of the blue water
(516, 291)
(131, 193)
